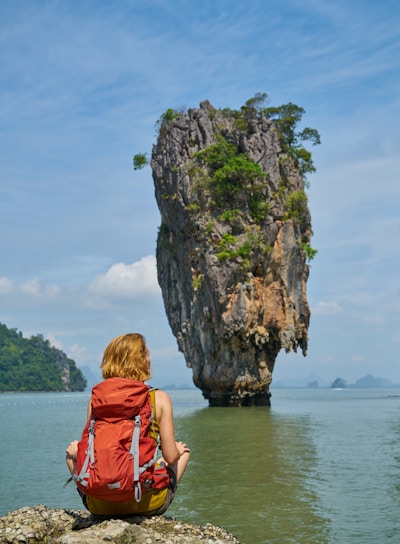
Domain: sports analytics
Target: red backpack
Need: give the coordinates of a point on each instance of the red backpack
(118, 449)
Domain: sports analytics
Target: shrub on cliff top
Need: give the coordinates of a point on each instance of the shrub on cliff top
(230, 173)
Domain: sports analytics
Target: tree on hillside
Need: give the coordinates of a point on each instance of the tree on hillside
(34, 365)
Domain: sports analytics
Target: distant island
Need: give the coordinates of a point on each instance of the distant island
(367, 381)
(339, 383)
(35, 365)
(372, 381)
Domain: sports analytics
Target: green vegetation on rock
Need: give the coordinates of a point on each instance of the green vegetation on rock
(230, 174)
(234, 188)
(34, 365)
(166, 118)
(140, 160)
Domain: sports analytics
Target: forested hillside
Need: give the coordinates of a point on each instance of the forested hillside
(34, 365)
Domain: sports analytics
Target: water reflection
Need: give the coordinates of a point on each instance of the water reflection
(251, 472)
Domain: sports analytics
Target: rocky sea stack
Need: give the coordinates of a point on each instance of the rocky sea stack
(234, 242)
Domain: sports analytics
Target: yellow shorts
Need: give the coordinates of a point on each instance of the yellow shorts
(153, 503)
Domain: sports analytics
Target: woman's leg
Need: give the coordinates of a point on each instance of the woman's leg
(179, 467)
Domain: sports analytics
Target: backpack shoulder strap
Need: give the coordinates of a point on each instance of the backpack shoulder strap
(154, 425)
(134, 449)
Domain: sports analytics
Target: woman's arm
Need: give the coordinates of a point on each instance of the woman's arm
(89, 409)
(171, 450)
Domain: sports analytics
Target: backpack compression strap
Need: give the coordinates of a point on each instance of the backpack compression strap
(134, 451)
(83, 476)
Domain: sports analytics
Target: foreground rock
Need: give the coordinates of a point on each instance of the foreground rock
(232, 248)
(43, 525)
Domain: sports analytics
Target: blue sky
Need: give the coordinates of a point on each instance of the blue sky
(82, 84)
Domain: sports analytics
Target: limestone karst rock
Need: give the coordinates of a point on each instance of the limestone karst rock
(231, 248)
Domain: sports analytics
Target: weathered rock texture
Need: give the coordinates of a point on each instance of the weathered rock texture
(231, 260)
(42, 525)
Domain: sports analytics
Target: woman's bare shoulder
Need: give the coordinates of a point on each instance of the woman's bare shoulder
(162, 397)
(164, 406)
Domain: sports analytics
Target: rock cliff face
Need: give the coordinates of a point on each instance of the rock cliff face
(231, 249)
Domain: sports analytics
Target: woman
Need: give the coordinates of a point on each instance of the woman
(128, 357)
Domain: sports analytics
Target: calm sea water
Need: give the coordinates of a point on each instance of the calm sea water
(320, 466)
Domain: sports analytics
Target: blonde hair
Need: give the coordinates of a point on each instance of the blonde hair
(127, 356)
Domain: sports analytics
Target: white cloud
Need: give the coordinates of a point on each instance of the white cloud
(326, 308)
(6, 286)
(79, 354)
(396, 337)
(371, 317)
(54, 341)
(357, 358)
(36, 288)
(128, 280)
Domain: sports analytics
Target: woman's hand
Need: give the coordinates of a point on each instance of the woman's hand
(182, 448)
(72, 450)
